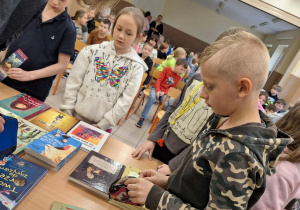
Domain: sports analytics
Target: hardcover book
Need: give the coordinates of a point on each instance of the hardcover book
(24, 105)
(53, 118)
(92, 138)
(97, 173)
(18, 177)
(55, 149)
(13, 61)
(63, 206)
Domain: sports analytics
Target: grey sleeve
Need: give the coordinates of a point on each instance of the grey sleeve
(175, 162)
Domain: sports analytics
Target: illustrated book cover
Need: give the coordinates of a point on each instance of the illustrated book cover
(18, 177)
(97, 173)
(54, 148)
(92, 138)
(63, 206)
(27, 132)
(13, 61)
(54, 118)
(24, 105)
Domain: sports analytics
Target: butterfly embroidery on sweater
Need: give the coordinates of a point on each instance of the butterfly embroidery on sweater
(105, 73)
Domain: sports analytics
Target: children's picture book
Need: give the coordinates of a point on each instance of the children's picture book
(18, 177)
(91, 137)
(27, 132)
(13, 61)
(54, 118)
(97, 173)
(24, 105)
(54, 148)
(63, 206)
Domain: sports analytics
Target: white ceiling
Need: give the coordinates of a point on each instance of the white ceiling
(247, 15)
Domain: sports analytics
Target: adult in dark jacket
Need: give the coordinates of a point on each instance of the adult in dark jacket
(156, 27)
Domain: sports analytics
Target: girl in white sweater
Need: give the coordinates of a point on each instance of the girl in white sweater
(105, 77)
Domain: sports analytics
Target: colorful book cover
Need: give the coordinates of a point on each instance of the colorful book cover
(24, 105)
(27, 132)
(13, 61)
(53, 118)
(55, 148)
(18, 177)
(92, 138)
(97, 173)
(63, 206)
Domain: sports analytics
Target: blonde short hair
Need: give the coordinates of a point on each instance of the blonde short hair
(239, 55)
(179, 52)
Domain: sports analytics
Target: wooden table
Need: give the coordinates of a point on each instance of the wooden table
(55, 185)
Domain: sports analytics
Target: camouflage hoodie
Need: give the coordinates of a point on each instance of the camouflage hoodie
(224, 169)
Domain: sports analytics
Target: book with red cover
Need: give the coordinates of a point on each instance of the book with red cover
(23, 105)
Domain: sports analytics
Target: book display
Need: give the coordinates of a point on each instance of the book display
(53, 118)
(13, 61)
(18, 177)
(24, 105)
(92, 138)
(53, 149)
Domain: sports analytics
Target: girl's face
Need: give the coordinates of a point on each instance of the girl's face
(144, 38)
(82, 20)
(125, 33)
(152, 42)
(262, 99)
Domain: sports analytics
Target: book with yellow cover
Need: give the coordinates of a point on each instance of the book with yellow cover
(54, 118)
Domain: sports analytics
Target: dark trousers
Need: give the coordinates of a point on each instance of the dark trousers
(162, 153)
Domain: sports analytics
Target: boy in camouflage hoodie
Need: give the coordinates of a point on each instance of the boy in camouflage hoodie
(227, 164)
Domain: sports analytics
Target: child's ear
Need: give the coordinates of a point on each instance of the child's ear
(244, 87)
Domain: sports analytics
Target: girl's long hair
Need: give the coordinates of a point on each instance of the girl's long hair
(290, 124)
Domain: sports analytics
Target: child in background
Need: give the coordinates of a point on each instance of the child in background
(145, 55)
(271, 112)
(101, 34)
(139, 46)
(170, 46)
(280, 104)
(80, 20)
(284, 185)
(111, 18)
(171, 60)
(226, 165)
(91, 19)
(106, 77)
(273, 93)
(193, 68)
(270, 109)
(162, 52)
(153, 39)
(263, 97)
(168, 78)
(48, 43)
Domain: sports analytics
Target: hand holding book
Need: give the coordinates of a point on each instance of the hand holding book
(19, 74)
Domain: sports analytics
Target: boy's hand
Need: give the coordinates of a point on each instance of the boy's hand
(19, 74)
(138, 189)
(157, 94)
(155, 177)
(2, 122)
(147, 146)
(164, 169)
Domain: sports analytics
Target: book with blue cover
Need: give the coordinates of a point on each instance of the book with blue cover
(54, 149)
(18, 177)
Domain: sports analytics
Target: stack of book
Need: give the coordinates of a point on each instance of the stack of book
(52, 150)
(104, 177)
(18, 177)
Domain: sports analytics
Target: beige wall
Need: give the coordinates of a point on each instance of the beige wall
(154, 6)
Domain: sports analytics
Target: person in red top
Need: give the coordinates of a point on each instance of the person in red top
(168, 78)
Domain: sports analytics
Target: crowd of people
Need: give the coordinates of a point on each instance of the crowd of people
(224, 142)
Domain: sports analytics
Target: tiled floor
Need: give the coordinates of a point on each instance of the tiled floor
(126, 132)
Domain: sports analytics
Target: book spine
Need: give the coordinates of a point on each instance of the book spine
(36, 113)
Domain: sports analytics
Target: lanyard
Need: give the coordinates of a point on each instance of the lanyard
(186, 108)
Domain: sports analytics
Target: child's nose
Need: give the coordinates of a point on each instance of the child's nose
(203, 93)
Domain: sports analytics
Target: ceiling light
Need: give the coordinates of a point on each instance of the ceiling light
(218, 11)
(264, 23)
(253, 27)
(221, 5)
(276, 20)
